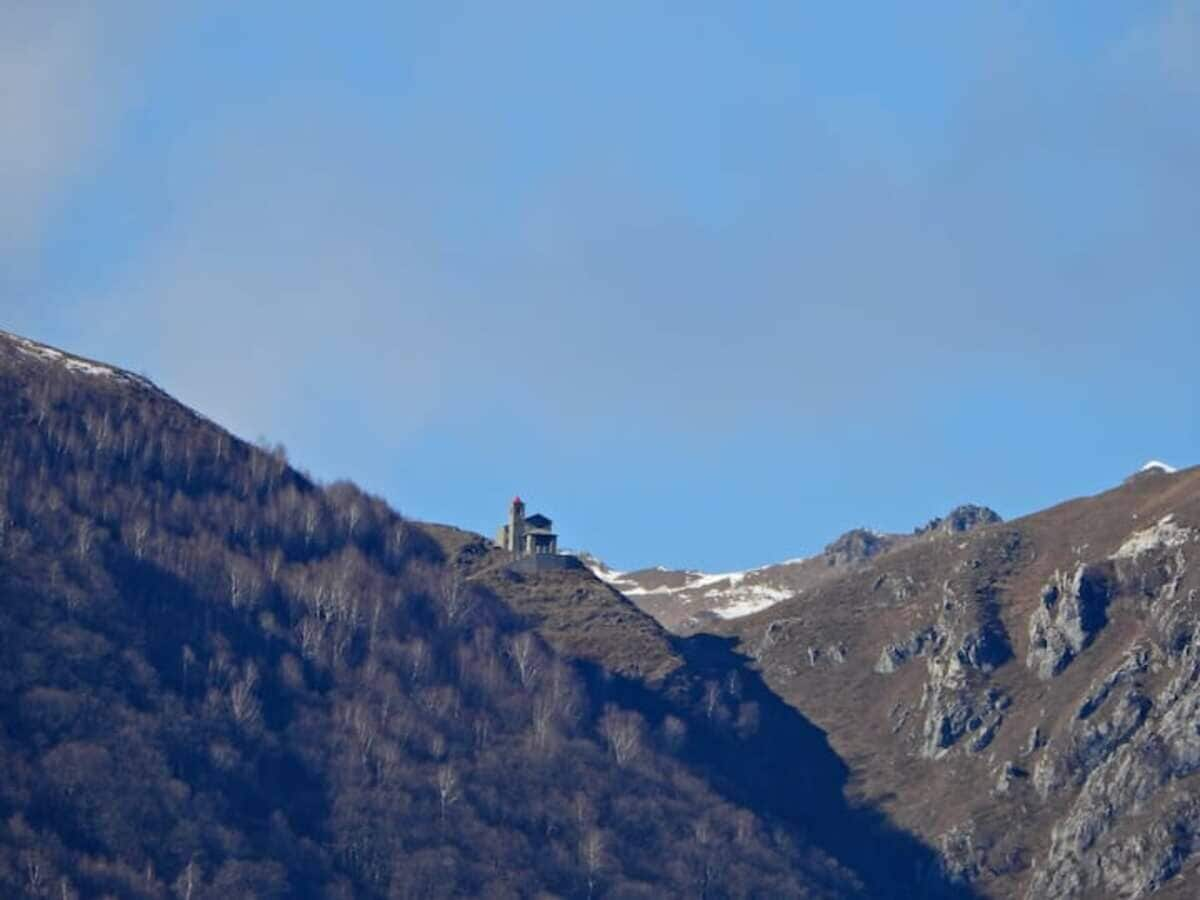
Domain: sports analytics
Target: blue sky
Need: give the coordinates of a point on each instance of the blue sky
(707, 283)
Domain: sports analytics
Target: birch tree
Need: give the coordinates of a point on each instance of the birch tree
(623, 732)
(591, 852)
(523, 651)
(447, 788)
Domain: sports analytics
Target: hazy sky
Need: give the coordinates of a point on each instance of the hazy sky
(706, 283)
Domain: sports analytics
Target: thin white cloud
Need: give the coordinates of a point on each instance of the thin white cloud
(64, 81)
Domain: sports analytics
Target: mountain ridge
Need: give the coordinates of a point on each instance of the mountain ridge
(686, 601)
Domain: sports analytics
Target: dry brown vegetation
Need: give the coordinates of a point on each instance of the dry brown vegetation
(989, 799)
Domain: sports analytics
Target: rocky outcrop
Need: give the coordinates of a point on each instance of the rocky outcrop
(834, 654)
(1088, 744)
(954, 708)
(1137, 659)
(1071, 611)
(894, 655)
(968, 642)
(856, 546)
(962, 518)
(1163, 534)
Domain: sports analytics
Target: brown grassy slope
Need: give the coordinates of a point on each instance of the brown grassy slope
(577, 613)
(819, 652)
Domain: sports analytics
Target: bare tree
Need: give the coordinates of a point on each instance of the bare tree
(443, 700)
(591, 852)
(99, 428)
(563, 691)
(706, 858)
(401, 725)
(389, 759)
(483, 731)
(312, 637)
(733, 684)
(396, 540)
(437, 745)
(417, 653)
(353, 516)
(187, 658)
(188, 880)
(312, 518)
(85, 535)
(457, 598)
(35, 871)
(743, 826)
(364, 727)
(447, 787)
(140, 532)
(523, 651)
(243, 699)
(376, 618)
(244, 581)
(623, 732)
(274, 564)
(712, 698)
(543, 722)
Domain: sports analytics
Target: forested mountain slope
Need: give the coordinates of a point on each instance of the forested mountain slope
(221, 680)
(218, 679)
(1026, 696)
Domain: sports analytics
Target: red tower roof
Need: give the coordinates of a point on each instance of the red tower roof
(517, 501)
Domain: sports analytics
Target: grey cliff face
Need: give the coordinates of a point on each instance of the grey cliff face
(970, 643)
(1134, 821)
(1071, 611)
(965, 644)
(1114, 774)
(1119, 762)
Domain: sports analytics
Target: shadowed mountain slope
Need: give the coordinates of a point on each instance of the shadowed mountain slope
(723, 719)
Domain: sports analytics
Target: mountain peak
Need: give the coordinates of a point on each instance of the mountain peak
(856, 545)
(966, 517)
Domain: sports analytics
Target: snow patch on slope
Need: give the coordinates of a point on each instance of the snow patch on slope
(754, 598)
(600, 570)
(71, 363)
(1155, 465)
(727, 594)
